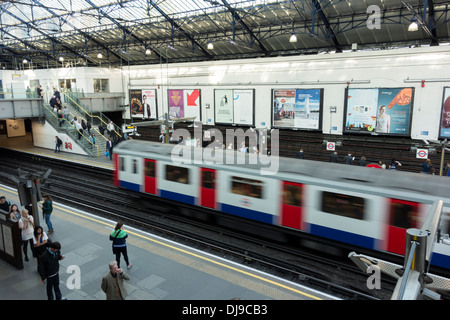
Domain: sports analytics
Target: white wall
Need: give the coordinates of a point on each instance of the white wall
(44, 137)
(15, 128)
(383, 68)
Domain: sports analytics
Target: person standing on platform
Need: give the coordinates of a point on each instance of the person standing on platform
(47, 209)
(348, 159)
(394, 165)
(26, 224)
(112, 283)
(58, 143)
(426, 167)
(5, 205)
(300, 154)
(40, 240)
(362, 162)
(110, 147)
(49, 270)
(119, 245)
(14, 214)
(334, 157)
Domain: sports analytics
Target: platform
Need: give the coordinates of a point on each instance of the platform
(162, 269)
(25, 144)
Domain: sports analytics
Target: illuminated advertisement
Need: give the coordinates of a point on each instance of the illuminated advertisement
(143, 104)
(444, 131)
(234, 106)
(385, 111)
(184, 103)
(297, 108)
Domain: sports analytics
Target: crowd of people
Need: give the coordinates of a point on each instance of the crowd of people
(36, 243)
(394, 165)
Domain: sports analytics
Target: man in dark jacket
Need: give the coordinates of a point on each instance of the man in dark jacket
(49, 270)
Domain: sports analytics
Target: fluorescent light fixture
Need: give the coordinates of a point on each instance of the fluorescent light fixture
(210, 46)
(99, 55)
(293, 37)
(413, 26)
(148, 52)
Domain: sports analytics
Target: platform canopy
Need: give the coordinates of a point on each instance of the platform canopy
(69, 33)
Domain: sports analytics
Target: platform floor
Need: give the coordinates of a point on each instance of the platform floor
(25, 144)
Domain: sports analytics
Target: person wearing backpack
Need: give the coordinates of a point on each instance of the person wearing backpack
(47, 209)
(58, 143)
(119, 244)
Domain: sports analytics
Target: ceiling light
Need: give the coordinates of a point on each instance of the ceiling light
(99, 55)
(148, 52)
(61, 59)
(25, 61)
(210, 46)
(413, 26)
(293, 37)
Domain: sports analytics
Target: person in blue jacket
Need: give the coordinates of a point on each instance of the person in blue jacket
(119, 243)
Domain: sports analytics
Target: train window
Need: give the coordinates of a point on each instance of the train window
(135, 166)
(247, 187)
(150, 169)
(292, 195)
(177, 174)
(208, 179)
(122, 163)
(343, 205)
(403, 215)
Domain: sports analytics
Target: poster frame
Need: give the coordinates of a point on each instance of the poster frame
(407, 134)
(442, 114)
(234, 124)
(156, 104)
(319, 129)
(183, 89)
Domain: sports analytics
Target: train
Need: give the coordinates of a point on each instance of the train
(362, 207)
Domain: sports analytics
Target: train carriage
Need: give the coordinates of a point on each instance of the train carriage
(365, 207)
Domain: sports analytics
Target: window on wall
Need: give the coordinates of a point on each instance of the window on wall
(67, 84)
(101, 85)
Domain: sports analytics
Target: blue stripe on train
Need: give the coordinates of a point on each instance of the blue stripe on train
(342, 236)
(130, 186)
(177, 197)
(440, 260)
(247, 213)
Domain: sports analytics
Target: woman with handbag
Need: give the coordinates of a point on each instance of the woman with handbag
(40, 241)
(119, 244)
(26, 224)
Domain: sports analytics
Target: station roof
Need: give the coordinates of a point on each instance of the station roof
(55, 33)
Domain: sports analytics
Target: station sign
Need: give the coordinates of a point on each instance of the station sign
(422, 153)
(331, 146)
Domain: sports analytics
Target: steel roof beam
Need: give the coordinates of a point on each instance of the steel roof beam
(317, 8)
(236, 15)
(43, 33)
(177, 26)
(86, 35)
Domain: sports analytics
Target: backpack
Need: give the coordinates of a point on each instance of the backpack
(59, 141)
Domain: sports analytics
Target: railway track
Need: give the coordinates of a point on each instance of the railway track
(91, 189)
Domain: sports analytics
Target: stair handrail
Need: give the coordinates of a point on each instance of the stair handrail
(76, 104)
(47, 106)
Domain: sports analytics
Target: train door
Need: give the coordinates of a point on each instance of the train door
(150, 176)
(116, 165)
(208, 188)
(403, 215)
(291, 205)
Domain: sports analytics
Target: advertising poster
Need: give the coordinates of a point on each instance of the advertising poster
(184, 103)
(381, 111)
(297, 108)
(137, 110)
(149, 104)
(191, 100)
(176, 104)
(243, 106)
(223, 102)
(444, 131)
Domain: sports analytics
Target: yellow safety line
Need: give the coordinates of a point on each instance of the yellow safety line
(189, 253)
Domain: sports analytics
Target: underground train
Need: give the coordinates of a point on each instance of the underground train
(359, 206)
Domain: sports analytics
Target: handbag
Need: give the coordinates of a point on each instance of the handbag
(106, 154)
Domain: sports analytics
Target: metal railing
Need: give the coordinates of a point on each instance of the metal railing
(72, 99)
(64, 124)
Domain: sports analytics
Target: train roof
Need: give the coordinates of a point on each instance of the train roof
(289, 168)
